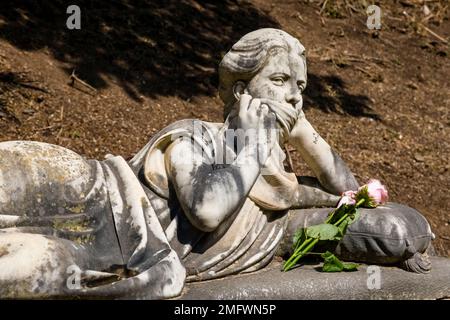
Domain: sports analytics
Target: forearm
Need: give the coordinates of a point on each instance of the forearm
(209, 195)
(327, 165)
(308, 196)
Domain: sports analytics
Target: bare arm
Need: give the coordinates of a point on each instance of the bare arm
(209, 195)
(311, 194)
(329, 168)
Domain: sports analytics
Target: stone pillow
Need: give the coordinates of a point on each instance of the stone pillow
(389, 234)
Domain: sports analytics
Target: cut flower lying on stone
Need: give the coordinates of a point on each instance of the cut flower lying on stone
(370, 195)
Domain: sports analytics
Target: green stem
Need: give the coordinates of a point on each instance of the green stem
(360, 202)
(302, 246)
(330, 216)
(299, 249)
(296, 258)
(296, 252)
(316, 253)
(341, 219)
(310, 243)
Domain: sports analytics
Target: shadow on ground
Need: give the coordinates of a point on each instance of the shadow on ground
(329, 94)
(151, 47)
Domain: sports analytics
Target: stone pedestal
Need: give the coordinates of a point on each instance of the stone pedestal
(307, 282)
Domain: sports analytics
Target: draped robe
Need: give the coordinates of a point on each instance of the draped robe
(116, 213)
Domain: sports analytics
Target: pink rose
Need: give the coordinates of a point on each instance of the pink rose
(348, 198)
(376, 191)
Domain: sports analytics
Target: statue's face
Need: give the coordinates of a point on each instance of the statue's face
(282, 79)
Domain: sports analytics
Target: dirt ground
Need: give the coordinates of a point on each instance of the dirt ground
(380, 98)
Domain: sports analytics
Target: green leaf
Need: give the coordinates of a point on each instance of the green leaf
(323, 231)
(348, 266)
(354, 216)
(342, 229)
(333, 264)
(299, 238)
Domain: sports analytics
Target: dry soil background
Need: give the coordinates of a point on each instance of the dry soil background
(380, 98)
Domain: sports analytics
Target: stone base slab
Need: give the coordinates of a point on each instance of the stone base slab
(307, 282)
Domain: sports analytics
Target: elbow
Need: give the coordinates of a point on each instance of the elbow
(338, 178)
(204, 217)
(209, 209)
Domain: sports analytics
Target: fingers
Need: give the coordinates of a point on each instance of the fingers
(267, 114)
(263, 113)
(254, 107)
(264, 109)
(253, 113)
(244, 102)
(271, 103)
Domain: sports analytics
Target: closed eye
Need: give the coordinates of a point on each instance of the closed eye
(279, 79)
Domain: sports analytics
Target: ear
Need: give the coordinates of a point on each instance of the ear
(239, 88)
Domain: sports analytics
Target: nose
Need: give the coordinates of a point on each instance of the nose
(294, 96)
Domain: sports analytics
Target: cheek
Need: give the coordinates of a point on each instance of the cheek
(266, 90)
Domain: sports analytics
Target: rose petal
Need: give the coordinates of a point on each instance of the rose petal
(377, 191)
(346, 200)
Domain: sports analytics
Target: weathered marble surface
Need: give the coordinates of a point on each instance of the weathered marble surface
(189, 206)
(308, 283)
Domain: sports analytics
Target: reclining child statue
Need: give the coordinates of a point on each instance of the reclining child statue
(200, 201)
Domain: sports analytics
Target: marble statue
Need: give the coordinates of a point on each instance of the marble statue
(200, 201)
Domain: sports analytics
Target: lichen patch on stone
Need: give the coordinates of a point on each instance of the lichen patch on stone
(3, 251)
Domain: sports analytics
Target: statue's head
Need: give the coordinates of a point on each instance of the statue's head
(266, 63)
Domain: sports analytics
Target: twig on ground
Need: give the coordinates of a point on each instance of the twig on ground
(349, 58)
(50, 127)
(348, 7)
(19, 80)
(73, 78)
(323, 6)
(368, 57)
(425, 28)
(61, 119)
(366, 60)
(434, 34)
(59, 133)
(351, 7)
(6, 113)
(29, 86)
(363, 71)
